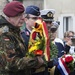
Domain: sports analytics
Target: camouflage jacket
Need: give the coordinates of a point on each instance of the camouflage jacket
(12, 49)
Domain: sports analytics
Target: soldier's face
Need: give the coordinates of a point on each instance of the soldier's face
(49, 24)
(31, 20)
(18, 20)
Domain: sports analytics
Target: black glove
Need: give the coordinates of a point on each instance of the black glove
(50, 64)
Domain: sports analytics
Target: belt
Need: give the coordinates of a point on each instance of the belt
(51, 70)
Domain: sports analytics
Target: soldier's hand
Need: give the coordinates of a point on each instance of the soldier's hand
(40, 61)
(30, 62)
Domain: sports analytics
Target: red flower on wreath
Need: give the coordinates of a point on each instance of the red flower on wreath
(68, 59)
(38, 52)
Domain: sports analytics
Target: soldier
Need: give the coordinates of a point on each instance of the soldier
(48, 16)
(12, 48)
(57, 41)
(32, 14)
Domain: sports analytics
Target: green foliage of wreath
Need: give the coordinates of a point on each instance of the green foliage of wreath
(53, 50)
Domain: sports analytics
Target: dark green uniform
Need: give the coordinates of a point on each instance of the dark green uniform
(12, 51)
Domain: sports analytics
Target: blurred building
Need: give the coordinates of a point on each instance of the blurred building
(65, 13)
(2, 4)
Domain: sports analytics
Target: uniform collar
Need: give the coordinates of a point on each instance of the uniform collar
(4, 22)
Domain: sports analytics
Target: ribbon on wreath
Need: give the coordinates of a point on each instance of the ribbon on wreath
(64, 70)
(39, 40)
(66, 64)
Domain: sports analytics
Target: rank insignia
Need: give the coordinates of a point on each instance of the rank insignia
(27, 33)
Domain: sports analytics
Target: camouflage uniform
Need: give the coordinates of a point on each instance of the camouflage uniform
(12, 51)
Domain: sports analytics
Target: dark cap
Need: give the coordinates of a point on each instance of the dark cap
(34, 10)
(47, 14)
(13, 8)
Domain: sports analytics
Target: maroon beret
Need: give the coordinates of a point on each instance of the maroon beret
(13, 8)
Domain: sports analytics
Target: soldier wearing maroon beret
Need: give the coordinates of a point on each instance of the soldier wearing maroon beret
(13, 60)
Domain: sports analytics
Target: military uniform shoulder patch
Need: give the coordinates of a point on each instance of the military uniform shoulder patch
(6, 39)
(4, 29)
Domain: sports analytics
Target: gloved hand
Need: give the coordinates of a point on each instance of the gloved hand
(50, 64)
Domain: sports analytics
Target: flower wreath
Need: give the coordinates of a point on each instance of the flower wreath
(39, 41)
(66, 64)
